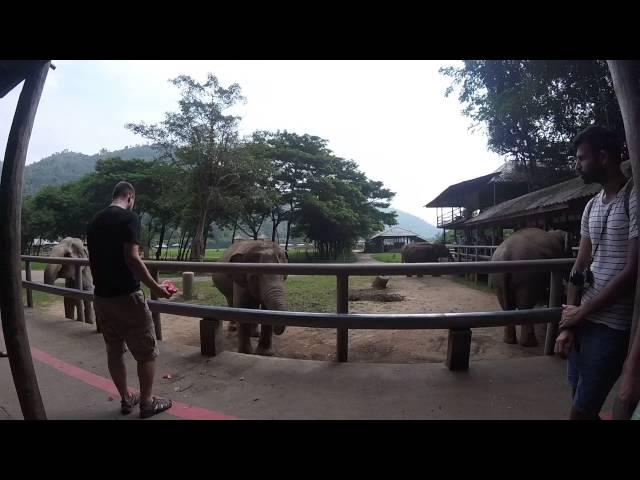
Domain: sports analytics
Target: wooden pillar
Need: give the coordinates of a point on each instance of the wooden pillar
(11, 309)
(78, 286)
(342, 306)
(157, 321)
(187, 285)
(27, 274)
(210, 337)
(555, 300)
(459, 349)
(626, 83)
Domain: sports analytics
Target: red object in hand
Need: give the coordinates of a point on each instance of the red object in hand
(171, 288)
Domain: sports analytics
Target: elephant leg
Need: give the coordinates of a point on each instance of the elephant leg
(510, 335)
(255, 333)
(232, 326)
(69, 303)
(88, 312)
(241, 299)
(528, 335)
(419, 275)
(264, 344)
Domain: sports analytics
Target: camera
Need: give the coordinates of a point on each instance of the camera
(582, 279)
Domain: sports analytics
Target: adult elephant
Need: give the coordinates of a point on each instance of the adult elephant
(254, 290)
(71, 248)
(524, 290)
(424, 252)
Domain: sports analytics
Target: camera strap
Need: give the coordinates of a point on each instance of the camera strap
(604, 227)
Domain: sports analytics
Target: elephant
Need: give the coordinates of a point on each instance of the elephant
(253, 290)
(424, 252)
(72, 248)
(523, 290)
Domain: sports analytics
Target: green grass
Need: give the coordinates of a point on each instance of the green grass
(211, 254)
(305, 293)
(40, 299)
(37, 266)
(388, 257)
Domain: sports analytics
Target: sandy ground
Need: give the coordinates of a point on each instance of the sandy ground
(422, 295)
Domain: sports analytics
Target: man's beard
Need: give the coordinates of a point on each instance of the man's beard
(596, 176)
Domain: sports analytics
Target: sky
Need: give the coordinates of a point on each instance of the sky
(391, 117)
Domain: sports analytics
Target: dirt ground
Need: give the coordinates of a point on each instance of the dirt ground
(422, 295)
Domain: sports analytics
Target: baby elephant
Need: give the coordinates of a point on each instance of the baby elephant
(523, 290)
(253, 290)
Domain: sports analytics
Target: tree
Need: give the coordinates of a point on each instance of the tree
(532, 109)
(341, 206)
(201, 139)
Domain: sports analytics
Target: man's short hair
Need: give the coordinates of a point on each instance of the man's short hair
(122, 189)
(600, 138)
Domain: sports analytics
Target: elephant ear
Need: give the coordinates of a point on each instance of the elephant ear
(239, 278)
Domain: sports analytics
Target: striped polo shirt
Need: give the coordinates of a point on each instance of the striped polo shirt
(611, 254)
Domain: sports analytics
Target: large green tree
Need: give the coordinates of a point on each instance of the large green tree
(532, 109)
(202, 139)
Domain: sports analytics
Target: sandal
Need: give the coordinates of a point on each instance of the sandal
(158, 405)
(126, 406)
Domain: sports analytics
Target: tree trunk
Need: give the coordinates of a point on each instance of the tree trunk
(286, 243)
(235, 228)
(626, 83)
(197, 249)
(162, 230)
(11, 309)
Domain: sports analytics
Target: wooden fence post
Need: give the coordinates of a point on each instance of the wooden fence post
(78, 286)
(210, 337)
(157, 321)
(459, 349)
(342, 306)
(27, 274)
(555, 300)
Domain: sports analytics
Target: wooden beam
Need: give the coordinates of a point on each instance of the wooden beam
(11, 308)
(626, 83)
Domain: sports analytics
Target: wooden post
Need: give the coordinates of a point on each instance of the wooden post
(27, 274)
(555, 300)
(342, 306)
(78, 286)
(459, 349)
(210, 337)
(475, 275)
(626, 83)
(11, 309)
(157, 321)
(187, 285)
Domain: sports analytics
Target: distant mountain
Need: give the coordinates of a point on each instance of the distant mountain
(66, 166)
(415, 224)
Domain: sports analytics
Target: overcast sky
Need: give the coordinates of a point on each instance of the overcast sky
(391, 117)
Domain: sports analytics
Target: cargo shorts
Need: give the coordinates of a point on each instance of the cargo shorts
(126, 321)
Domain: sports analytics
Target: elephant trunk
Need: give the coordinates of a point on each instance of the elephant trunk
(274, 299)
(51, 273)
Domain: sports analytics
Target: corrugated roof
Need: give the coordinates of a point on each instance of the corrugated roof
(543, 198)
(453, 193)
(396, 232)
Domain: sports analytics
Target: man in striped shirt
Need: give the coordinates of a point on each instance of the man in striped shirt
(595, 334)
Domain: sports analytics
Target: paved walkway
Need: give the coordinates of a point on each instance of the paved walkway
(74, 382)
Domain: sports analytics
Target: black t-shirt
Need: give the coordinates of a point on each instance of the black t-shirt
(107, 233)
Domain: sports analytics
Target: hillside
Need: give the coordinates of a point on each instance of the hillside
(415, 224)
(67, 166)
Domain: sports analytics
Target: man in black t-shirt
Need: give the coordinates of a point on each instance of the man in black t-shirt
(113, 237)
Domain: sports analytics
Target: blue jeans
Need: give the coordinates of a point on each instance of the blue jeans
(595, 363)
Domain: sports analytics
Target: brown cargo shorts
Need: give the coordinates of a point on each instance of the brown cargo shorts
(126, 322)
